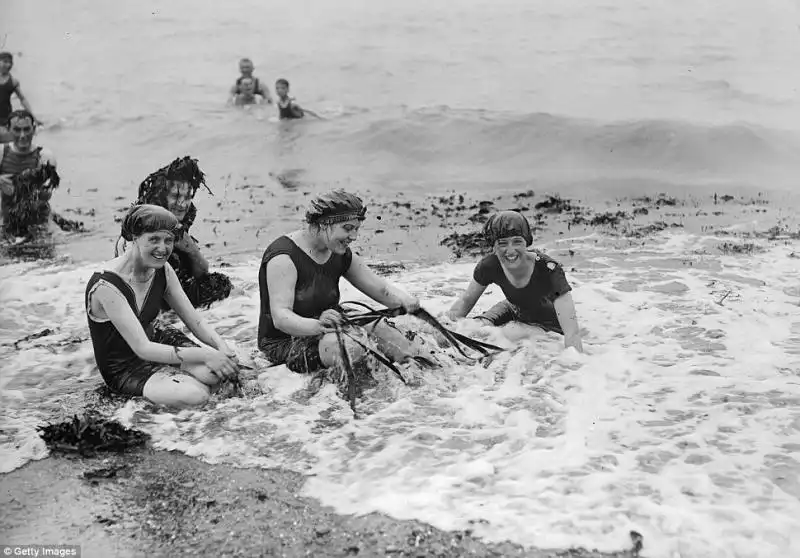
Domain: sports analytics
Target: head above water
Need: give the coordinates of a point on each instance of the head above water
(147, 219)
(335, 218)
(22, 126)
(247, 86)
(505, 225)
(282, 87)
(6, 62)
(246, 66)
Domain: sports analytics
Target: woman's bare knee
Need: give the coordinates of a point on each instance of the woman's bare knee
(176, 391)
(202, 373)
(330, 353)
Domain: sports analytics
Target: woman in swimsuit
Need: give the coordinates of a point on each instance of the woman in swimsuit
(123, 300)
(299, 285)
(535, 287)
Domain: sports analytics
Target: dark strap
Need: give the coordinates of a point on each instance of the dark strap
(123, 288)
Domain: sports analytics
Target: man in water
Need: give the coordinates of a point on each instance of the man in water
(246, 69)
(173, 187)
(247, 94)
(9, 86)
(16, 157)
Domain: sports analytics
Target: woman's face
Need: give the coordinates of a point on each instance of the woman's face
(155, 248)
(179, 198)
(338, 236)
(511, 251)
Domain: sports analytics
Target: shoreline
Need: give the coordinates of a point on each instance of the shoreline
(146, 502)
(168, 504)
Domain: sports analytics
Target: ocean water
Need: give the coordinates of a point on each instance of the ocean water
(682, 419)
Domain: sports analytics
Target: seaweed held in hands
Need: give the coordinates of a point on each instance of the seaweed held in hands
(30, 203)
(89, 434)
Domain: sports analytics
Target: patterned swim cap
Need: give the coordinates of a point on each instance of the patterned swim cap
(146, 218)
(334, 207)
(506, 224)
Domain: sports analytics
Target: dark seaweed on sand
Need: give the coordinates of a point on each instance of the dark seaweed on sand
(89, 434)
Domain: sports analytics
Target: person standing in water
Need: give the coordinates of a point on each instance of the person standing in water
(299, 286)
(174, 187)
(123, 299)
(247, 94)
(536, 289)
(246, 68)
(18, 156)
(287, 108)
(9, 86)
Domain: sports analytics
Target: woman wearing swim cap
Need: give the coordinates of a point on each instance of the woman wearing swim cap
(299, 285)
(535, 287)
(122, 301)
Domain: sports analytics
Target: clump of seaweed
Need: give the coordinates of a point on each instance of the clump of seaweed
(555, 204)
(471, 244)
(89, 434)
(30, 202)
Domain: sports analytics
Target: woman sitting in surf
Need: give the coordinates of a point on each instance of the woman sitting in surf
(123, 300)
(174, 187)
(299, 285)
(535, 287)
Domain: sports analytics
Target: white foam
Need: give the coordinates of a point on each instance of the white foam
(681, 421)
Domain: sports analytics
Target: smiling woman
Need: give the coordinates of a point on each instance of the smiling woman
(122, 301)
(536, 289)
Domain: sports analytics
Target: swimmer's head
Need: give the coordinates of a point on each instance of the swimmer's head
(282, 87)
(6, 62)
(247, 86)
(148, 219)
(173, 187)
(22, 126)
(336, 217)
(246, 67)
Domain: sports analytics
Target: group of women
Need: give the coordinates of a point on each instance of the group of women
(158, 266)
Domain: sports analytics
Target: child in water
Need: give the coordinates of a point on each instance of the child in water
(9, 85)
(246, 68)
(287, 108)
(247, 95)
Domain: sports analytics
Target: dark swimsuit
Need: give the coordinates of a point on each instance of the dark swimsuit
(316, 290)
(531, 304)
(123, 371)
(6, 90)
(14, 162)
(289, 110)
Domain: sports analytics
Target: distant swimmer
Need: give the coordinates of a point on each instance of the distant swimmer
(288, 109)
(20, 158)
(174, 187)
(9, 86)
(535, 286)
(247, 95)
(247, 86)
(122, 300)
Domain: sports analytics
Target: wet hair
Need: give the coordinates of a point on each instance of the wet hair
(243, 60)
(7, 56)
(21, 113)
(148, 218)
(506, 224)
(282, 81)
(334, 207)
(154, 188)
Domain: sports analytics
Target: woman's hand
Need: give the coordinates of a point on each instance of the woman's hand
(227, 350)
(221, 364)
(329, 320)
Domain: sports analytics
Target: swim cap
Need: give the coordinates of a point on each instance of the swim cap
(334, 207)
(506, 224)
(147, 218)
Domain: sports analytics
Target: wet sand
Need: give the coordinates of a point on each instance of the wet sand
(144, 502)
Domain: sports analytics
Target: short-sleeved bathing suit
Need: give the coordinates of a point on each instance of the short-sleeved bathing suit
(123, 371)
(533, 303)
(316, 290)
